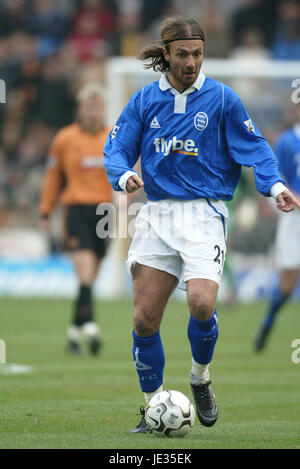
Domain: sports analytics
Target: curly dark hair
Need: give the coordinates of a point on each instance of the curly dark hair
(172, 29)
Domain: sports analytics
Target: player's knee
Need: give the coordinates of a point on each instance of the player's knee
(144, 323)
(201, 306)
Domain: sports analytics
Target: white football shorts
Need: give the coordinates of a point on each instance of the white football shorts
(287, 243)
(184, 238)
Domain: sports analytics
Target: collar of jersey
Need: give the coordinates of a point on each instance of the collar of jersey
(165, 85)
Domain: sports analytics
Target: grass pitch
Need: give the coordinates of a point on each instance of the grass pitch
(92, 402)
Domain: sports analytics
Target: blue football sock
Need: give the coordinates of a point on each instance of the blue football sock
(149, 359)
(203, 336)
(277, 301)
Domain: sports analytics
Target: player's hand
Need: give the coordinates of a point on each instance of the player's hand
(134, 183)
(286, 201)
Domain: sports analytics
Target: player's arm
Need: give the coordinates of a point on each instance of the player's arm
(123, 146)
(286, 200)
(52, 182)
(249, 148)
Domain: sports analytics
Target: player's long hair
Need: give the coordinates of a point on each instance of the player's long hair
(172, 29)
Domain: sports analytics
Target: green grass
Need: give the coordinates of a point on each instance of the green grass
(88, 402)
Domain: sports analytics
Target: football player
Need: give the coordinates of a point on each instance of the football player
(193, 135)
(76, 158)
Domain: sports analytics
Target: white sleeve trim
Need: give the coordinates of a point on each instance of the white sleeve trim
(124, 178)
(276, 189)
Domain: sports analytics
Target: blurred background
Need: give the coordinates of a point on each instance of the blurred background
(50, 48)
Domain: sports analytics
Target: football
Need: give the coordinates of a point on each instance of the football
(170, 413)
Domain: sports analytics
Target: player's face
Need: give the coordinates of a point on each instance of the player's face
(91, 114)
(185, 60)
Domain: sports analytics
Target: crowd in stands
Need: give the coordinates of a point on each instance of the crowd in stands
(49, 48)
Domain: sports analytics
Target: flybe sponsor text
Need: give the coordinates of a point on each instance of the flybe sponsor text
(165, 146)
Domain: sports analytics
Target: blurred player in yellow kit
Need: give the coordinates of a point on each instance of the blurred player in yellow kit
(75, 176)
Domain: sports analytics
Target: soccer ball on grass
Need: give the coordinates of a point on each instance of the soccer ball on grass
(170, 413)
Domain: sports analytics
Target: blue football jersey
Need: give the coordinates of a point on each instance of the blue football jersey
(192, 144)
(287, 150)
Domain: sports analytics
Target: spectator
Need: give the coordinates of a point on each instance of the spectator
(53, 104)
(258, 14)
(10, 137)
(7, 67)
(153, 11)
(50, 22)
(13, 16)
(286, 45)
(216, 29)
(251, 46)
(126, 39)
(92, 26)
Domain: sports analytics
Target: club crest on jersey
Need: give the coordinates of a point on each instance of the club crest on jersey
(201, 121)
(249, 125)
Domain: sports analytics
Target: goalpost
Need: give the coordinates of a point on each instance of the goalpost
(268, 89)
(125, 75)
